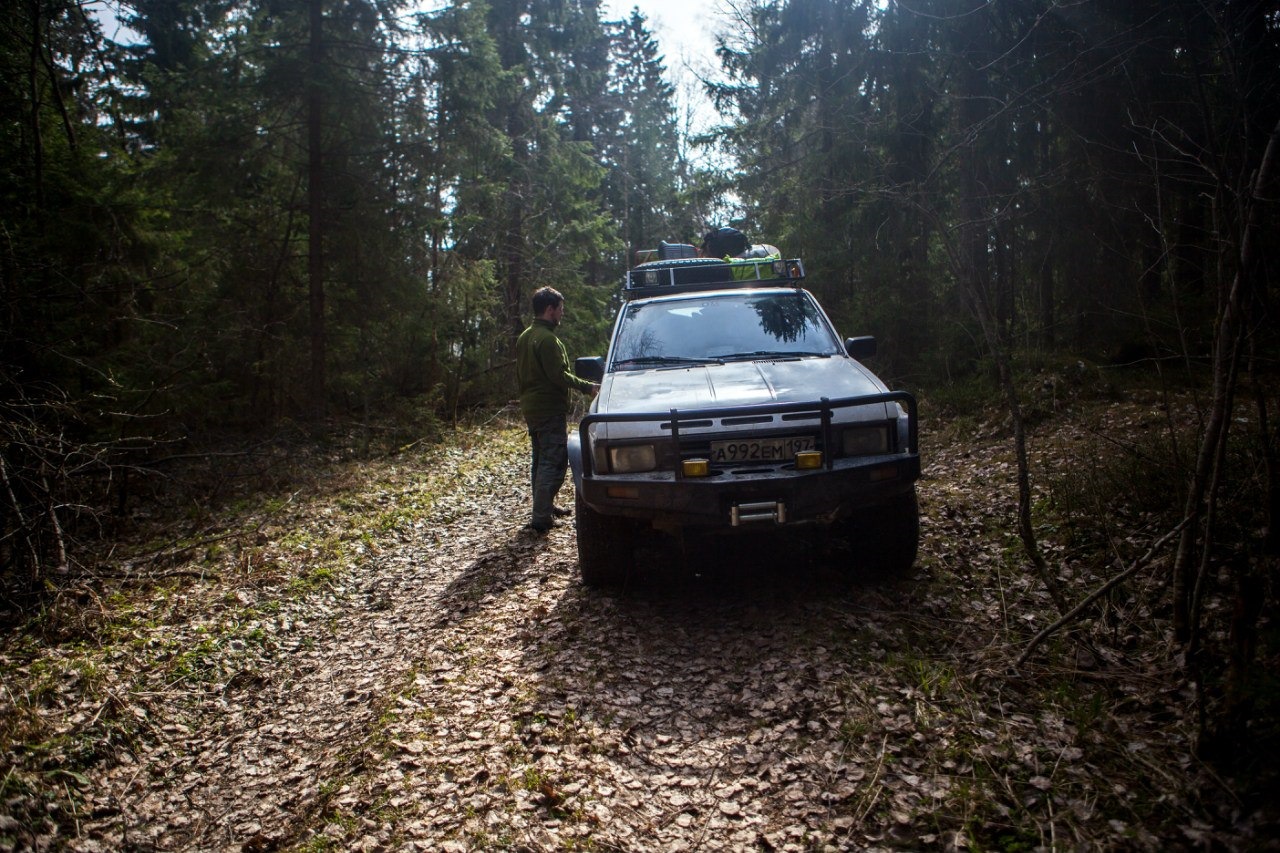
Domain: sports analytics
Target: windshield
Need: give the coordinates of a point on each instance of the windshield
(722, 328)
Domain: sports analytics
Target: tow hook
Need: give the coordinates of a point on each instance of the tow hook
(775, 511)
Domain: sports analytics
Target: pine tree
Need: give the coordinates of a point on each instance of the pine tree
(641, 145)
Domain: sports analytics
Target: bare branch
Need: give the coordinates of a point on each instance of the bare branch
(1097, 593)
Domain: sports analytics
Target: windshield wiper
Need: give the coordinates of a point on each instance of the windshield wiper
(764, 353)
(666, 359)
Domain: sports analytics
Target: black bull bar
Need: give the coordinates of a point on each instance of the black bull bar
(824, 407)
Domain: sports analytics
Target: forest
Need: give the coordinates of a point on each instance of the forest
(228, 223)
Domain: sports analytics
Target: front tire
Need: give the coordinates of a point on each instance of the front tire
(605, 557)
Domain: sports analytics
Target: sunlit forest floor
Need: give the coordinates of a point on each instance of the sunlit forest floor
(364, 651)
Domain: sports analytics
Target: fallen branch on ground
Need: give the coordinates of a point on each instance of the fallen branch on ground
(1096, 594)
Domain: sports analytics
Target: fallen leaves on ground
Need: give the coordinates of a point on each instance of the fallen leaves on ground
(393, 664)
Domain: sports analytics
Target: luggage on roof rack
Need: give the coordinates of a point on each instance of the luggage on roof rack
(678, 276)
(667, 252)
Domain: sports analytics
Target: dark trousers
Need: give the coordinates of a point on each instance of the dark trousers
(549, 460)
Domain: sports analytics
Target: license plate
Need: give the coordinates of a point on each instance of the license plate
(760, 450)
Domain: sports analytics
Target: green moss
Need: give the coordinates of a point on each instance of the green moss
(198, 662)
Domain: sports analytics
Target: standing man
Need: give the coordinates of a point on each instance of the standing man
(542, 368)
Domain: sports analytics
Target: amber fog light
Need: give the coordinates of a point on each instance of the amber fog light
(695, 467)
(808, 460)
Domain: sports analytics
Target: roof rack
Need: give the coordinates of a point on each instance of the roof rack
(658, 278)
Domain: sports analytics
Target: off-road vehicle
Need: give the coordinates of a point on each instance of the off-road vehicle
(729, 403)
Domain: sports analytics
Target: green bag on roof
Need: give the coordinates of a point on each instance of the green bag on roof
(751, 264)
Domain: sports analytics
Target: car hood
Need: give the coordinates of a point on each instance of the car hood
(738, 383)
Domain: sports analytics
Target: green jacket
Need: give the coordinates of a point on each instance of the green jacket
(542, 368)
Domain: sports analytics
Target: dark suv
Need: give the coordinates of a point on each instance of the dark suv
(728, 402)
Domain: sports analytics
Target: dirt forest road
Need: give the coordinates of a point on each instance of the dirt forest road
(452, 686)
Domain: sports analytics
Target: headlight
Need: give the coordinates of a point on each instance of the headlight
(632, 459)
(864, 441)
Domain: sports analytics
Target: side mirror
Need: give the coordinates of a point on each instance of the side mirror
(861, 347)
(590, 368)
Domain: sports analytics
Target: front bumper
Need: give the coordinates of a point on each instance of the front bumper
(748, 497)
(740, 499)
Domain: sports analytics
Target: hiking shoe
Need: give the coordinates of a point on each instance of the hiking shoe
(540, 529)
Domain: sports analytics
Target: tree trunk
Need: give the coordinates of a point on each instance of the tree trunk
(514, 238)
(316, 208)
(1226, 352)
(980, 226)
(37, 140)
